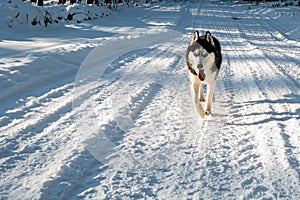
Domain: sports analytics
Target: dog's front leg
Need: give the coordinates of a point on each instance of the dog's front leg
(209, 98)
(196, 88)
(201, 93)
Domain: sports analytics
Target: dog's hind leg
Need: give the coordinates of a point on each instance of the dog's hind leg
(209, 98)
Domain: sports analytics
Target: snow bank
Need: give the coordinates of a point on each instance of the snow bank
(28, 14)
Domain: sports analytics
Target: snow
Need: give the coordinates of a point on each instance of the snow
(102, 109)
(23, 13)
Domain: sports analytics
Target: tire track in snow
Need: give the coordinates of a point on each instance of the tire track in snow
(102, 96)
(256, 69)
(282, 153)
(30, 134)
(115, 129)
(249, 164)
(32, 104)
(274, 49)
(247, 178)
(32, 139)
(33, 122)
(140, 145)
(139, 103)
(290, 150)
(56, 144)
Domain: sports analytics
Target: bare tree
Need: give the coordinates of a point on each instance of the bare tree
(40, 2)
(62, 1)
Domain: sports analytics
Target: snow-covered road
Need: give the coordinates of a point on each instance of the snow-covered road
(99, 115)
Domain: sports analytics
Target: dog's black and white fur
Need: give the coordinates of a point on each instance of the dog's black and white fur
(203, 58)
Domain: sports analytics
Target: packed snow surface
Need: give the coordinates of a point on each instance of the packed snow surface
(102, 109)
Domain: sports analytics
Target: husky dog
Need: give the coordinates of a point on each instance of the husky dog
(203, 58)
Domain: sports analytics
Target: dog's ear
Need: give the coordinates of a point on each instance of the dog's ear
(209, 38)
(195, 37)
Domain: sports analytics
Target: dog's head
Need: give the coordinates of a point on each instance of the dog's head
(201, 53)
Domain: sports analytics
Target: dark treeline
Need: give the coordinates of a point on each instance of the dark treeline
(108, 3)
(114, 3)
(277, 2)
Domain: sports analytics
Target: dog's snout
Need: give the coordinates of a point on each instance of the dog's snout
(200, 66)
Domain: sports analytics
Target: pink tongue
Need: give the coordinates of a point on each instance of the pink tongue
(200, 76)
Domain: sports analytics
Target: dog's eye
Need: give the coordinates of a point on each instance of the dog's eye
(205, 54)
(196, 52)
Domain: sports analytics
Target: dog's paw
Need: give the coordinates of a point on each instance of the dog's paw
(202, 99)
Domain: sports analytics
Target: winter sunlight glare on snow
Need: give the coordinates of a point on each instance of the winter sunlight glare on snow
(95, 103)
